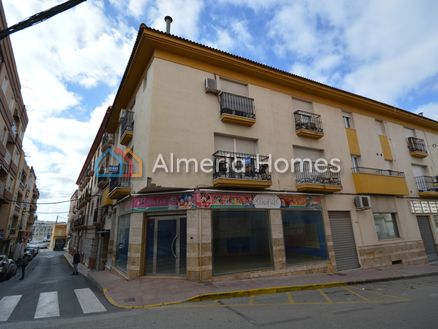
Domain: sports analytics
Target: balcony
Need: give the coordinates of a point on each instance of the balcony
(237, 109)
(119, 187)
(22, 186)
(379, 181)
(107, 141)
(308, 125)
(427, 186)
(240, 170)
(126, 127)
(317, 178)
(417, 147)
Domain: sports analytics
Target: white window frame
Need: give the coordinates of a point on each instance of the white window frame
(395, 226)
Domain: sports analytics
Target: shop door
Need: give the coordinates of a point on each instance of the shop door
(427, 236)
(343, 240)
(166, 246)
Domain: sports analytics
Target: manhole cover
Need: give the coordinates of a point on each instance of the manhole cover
(128, 300)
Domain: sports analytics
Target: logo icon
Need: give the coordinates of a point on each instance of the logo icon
(118, 163)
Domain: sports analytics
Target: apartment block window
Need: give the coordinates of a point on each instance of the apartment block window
(409, 132)
(300, 105)
(386, 226)
(233, 144)
(355, 161)
(380, 127)
(12, 104)
(5, 85)
(234, 87)
(348, 120)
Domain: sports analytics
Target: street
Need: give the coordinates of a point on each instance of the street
(49, 291)
(392, 304)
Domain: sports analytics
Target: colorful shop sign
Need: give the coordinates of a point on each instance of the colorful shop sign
(163, 202)
(223, 200)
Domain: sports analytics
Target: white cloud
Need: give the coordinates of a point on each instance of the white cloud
(185, 14)
(429, 110)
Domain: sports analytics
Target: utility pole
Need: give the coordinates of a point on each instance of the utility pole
(39, 17)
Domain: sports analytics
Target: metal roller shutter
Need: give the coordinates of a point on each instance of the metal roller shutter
(427, 236)
(343, 240)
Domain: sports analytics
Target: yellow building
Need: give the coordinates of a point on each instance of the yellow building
(248, 216)
(17, 179)
(58, 237)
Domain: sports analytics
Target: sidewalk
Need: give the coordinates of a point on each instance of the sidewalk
(150, 292)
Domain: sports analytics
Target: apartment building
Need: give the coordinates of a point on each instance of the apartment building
(17, 179)
(181, 105)
(42, 230)
(89, 219)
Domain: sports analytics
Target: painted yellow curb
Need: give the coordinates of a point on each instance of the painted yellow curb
(228, 294)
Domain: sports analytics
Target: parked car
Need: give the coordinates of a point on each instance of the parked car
(33, 251)
(8, 268)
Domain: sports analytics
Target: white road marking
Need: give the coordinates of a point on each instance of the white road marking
(88, 301)
(48, 305)
(7, 306)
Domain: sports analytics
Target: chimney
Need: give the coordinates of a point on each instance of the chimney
(168, 21)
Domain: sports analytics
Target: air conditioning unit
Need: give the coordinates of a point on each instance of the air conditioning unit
(211, 86)
(362, 202)
(122, 114)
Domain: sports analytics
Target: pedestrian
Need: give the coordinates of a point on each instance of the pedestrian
(24, 261)
(76, 261)
(18, 252)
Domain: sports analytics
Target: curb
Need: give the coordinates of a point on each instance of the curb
(261, 291)
(228, 294)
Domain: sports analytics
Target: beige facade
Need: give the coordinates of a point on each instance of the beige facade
(387, 156)
(18, 192)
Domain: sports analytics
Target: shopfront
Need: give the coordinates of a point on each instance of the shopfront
(205, 234)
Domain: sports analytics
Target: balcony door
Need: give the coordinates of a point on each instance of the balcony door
(166, 245)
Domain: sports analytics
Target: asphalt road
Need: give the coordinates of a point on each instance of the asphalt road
(403, 304)
(49, 290)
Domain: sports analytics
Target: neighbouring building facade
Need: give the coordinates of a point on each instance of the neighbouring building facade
(18, 191)
(42, 230)
(247, 216)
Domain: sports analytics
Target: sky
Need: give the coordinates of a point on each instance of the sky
(70, 65)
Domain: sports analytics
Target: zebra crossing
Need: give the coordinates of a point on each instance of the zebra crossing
(48, 304)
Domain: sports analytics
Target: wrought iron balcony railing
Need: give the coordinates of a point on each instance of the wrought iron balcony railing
(309, 173)
(127, 122)
(416, 145)
(240, 166)
(107, 140)
(237, 105)
(119, 182)
(375, 171)
(427, 183)
(308, 121)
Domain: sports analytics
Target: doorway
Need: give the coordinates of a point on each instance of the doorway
(166, 245)
(427, 237)
(343, 240)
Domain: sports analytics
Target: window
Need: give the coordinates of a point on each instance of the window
(355, 161)
(122, 242)
(386, 226)
(234, 87)
(409, 132)
(380, 127)
(348, 120)
(241, 241)
(233, 144)
(304, 237)
(5, 85)
(300, 105)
